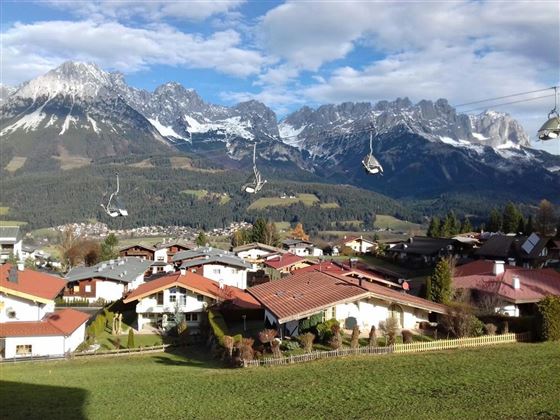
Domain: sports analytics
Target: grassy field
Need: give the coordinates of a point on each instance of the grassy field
(200, 194)
(384, 221)
(12, 223)
(4, 210)
(518, 381)
(261, 203)
(15, 163)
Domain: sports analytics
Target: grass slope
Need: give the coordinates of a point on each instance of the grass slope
(511, 381)
(261, 203)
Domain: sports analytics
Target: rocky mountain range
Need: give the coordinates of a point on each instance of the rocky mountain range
(78, 113)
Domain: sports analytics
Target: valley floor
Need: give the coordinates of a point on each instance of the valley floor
(510, 381)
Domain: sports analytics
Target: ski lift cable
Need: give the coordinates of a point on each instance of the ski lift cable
(507, 103)
(504, 97)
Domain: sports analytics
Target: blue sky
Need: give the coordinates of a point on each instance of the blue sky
(304, 52)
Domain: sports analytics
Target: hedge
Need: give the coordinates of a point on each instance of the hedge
(549, 317)
(218, 325)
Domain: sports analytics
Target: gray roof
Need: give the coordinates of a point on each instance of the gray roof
(208, 255)
(9, 234)
(294, 242)
(122, 269)
(258, 245)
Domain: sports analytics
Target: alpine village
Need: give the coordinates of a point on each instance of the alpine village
(232, 209)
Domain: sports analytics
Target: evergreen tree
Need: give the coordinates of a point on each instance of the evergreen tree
(451, 225)
(466, 225)
(434, 230)
(201, 239)
(521, 225)
(545, 219)
(495, 221)
(259, 231)
(108, 248)
(440, 282)
(130, 343)
(529, 227)
(510, 220)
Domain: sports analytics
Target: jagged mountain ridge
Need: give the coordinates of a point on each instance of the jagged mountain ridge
(79, 111)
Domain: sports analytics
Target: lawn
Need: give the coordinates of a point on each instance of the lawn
(261, 203)
(12, 223)
(384, 221)
(511, 381)
(16, 163)
(200, 194)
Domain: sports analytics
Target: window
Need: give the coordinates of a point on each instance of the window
(88, 288)
(76, 288)
(200, 298)
(160, 258)
(23, 349)
(192, 317)
(159, 298)
(217, 271)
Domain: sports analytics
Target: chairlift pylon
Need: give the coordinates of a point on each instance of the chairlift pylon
(551, 128)
(257, 182)
(371, 164)
(115, 207)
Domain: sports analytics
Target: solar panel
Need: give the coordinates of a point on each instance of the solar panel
(530, 243)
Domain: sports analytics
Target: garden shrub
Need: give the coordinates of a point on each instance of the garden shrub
(275, 347)
(311, 323)
(505, 327)
(491, 329)
(130, 342)
(290, 345)
(355, 340)
(476, 326)
(246, 351)
(390, 328)
(306, 341)
(406, 336)
(336, 337)
(372, 340)
(325, 329)
(228, 344)
(549, 318)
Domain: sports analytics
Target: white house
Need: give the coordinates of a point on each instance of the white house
(215, 264)
(351, 301)
(10, 242)
(255, 253)
(27, 295)
(359, 244)
(57, 333)
(302, 248)
(183, 292)
(108, 280)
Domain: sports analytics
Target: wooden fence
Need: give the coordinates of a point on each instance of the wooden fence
(397, 348)
(105, 353)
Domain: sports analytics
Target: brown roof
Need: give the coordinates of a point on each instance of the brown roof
(535, 284)
(63, 322)
(31, 284)
(304, 294)
(285, 260)
(197, 284)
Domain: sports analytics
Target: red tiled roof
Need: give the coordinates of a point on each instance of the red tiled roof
(304, 294)
(31, 283)
(284, 260)
(535, 284)
(63, 322)
(346, 271)
(198, 284)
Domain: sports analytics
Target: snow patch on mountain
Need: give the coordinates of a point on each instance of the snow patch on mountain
(290, 135)
(93, 124)
(27, 122)
(165, 131)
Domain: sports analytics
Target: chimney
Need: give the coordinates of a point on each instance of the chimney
(516, 284)
(183, 271)
(221, 284)
(511, 262)
(498, 268)
(20, 265)
(13, 275)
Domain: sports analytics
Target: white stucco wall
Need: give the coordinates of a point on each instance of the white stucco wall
(75, 339)
(25, 310)
(41, 346)
(230, 276)
(136, 282)
(252, 254)
(108, 290)
(148, 305)
(373, 311)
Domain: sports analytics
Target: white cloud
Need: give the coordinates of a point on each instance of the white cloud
(30, 49)
(147, 10)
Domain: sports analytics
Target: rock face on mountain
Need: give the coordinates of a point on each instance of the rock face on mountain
(77, 113)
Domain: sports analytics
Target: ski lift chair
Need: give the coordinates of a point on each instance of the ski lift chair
(115, 206)
(254, 184)
(551, 128)
(370, 163)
